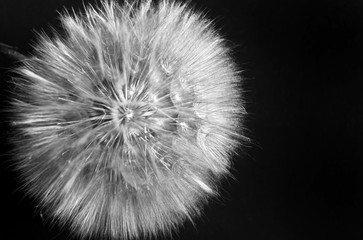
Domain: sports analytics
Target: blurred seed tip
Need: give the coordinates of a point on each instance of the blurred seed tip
(11, 51)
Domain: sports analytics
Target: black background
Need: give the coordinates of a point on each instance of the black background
(302, 177)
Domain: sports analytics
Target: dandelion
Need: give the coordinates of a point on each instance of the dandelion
(129, 119)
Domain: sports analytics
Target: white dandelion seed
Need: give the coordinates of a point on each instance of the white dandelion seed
(128, 121)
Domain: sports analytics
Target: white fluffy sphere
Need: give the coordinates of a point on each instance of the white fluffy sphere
(127, 122)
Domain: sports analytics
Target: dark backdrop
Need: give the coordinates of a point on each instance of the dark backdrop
(302, 177)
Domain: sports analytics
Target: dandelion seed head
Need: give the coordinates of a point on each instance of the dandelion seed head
(128, 121)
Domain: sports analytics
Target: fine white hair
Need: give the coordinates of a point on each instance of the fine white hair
(127, 121)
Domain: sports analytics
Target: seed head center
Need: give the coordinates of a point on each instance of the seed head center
(129, 113)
